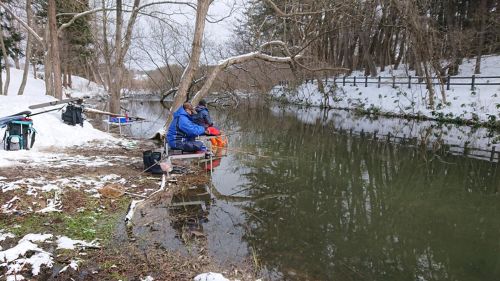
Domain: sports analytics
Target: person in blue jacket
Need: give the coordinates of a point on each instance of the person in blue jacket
(202, 117)
(183, 131)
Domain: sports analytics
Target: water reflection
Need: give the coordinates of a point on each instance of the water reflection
(341, 207)
(313, 201)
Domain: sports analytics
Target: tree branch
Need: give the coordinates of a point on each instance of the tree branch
(25, 25)
(75, 17)
(282, 14)
(134, 10)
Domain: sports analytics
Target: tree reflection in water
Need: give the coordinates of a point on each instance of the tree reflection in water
(339, 207)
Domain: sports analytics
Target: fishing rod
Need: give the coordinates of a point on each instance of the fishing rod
(58, 109)
(23, 114)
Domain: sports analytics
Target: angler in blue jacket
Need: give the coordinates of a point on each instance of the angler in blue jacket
(183, 131)
(202, 117)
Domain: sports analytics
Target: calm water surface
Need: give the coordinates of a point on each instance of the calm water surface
(311, 203)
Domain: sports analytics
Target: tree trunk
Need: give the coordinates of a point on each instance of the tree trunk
(114, 105)
(401, 52)
(49, 80)
(16, 61)
(430, 87)
(54, 43)
(484, 12)
(70, 73)
(6, 63)
(65, 75)
(47, 61)
(34, 70)
(95, 73)
(106, 52)
(194, 60)
(121, 51)
(28, 52)
(1, 83)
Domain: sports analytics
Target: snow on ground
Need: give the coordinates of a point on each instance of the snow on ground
(82, 87)
(67, 243)
(210, 276)
(482, 104)
(35, 251)
(51, 131)
(4, 236)
(40, 187)
(73, 265)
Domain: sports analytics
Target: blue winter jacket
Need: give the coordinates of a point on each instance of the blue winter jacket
(202, 117)
(182, 129)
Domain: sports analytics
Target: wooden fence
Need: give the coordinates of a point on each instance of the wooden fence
(472, 81)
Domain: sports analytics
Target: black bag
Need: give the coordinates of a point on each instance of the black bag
(72, 115)
(151, 161)
(19, 135)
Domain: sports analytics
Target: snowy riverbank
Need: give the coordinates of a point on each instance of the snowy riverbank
(480, 105)
(52, 133)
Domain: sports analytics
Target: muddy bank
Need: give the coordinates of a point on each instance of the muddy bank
(69, 196)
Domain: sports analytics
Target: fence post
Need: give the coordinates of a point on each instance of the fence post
(355, 81)
(473, 82)
(492, 157)
(366, 81)
(409, 82)
(335, 80)
(343, 81)
(394, 82)
(448, 83)
(379, 81)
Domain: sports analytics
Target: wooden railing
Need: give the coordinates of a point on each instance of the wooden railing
(408, 81)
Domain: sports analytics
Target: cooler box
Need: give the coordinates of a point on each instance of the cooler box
(118, 119)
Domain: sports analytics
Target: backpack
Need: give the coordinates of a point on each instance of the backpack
(72, 115)
(19, 134)
(151, 161)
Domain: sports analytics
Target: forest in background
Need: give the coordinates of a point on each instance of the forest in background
(287, 39)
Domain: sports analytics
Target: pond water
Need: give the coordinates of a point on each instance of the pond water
(306, 200)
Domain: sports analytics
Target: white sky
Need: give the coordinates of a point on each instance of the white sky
(221, 9)
(222, 17)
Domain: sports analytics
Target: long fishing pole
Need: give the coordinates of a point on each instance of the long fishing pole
(29, 115)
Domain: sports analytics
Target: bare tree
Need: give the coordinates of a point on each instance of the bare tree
(5, 56)
(28, 50)
(194, 60)
(54, 47)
